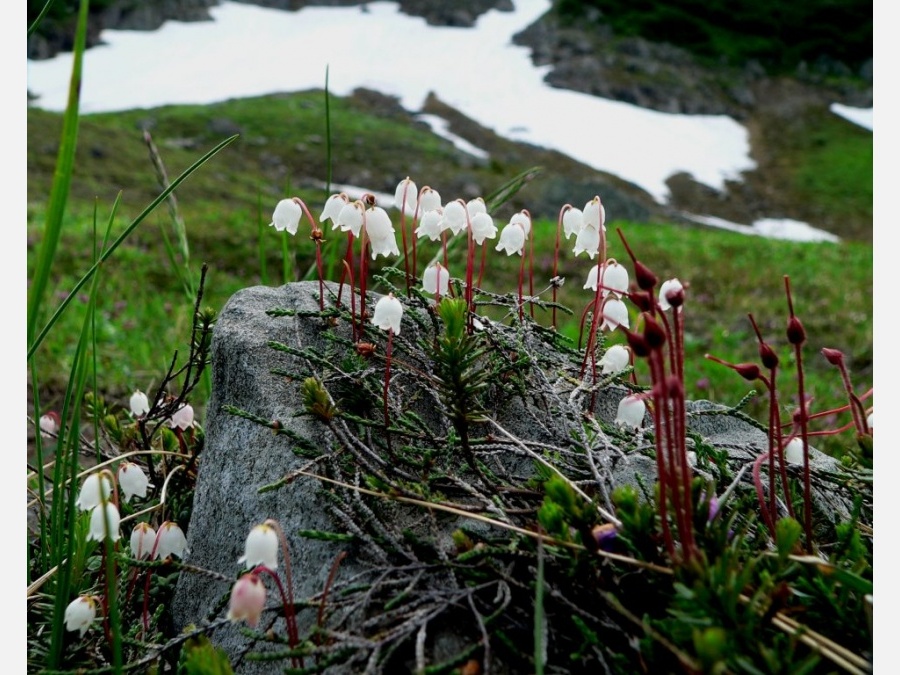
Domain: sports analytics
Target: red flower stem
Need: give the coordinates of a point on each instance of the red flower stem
(349, 271)
(595, 320)
(320, 616)
(348, 264)
(856, 406)
(775, 441)
(680, 434)
(662, 473)
(804, 424)
(363, 271)
(530, 262)
(288, 605)
(521, 281)
(760, 493)
(559, 220)
(314, 228)
(481, 269)
(290, 613)
(470, 269)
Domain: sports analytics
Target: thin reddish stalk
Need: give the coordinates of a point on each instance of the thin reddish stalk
(320, 615)
(559, 220)
(760, 493)
(348, 263)
(286, 601)
(354, 329)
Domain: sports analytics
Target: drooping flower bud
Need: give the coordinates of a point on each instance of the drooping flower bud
(671, 294)
(653, 332)
(768, 356)
(248, 599)
(835, 356)
(796, 334)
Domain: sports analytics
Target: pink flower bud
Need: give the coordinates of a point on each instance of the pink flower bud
(248, 599)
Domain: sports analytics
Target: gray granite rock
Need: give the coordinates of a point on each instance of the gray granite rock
(242, 456)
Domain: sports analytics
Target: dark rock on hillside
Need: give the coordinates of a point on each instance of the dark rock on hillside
(663, 77)
(54, 36)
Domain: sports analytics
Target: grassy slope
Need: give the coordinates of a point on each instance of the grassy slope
(145, 316)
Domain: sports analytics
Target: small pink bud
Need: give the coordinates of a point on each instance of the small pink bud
(248, 598)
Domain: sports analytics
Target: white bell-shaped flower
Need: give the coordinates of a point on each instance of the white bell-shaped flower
(261, 547)
(380, 231)
(512, 239)
(616, 277)
(170, 540)
(615, 360)
(132, 480)
(430, 225)
(406, 195)
(436, 279)
(429, 200)
(104, 522)
(483, 228)
(524, 220)
(793, 451)
(49, 424)
(248, 599)
(287, 216)
(476, 206)
(572, 222)
(630, 412)
(80, 614)
(332, 210)
(668, 291)
(594, 214)
(388, 312)
(350, 218)
(90, 496)
(139, 404)
(454, 217)
(587, 241)
(869, 421)
(142, 538)
(615, 314)
(183, 418)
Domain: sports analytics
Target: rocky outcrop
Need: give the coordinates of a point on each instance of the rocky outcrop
(264, 442)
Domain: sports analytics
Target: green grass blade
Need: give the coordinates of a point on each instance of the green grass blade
(137, 221)
(62, 178)
(506, 191)
(40, 17)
